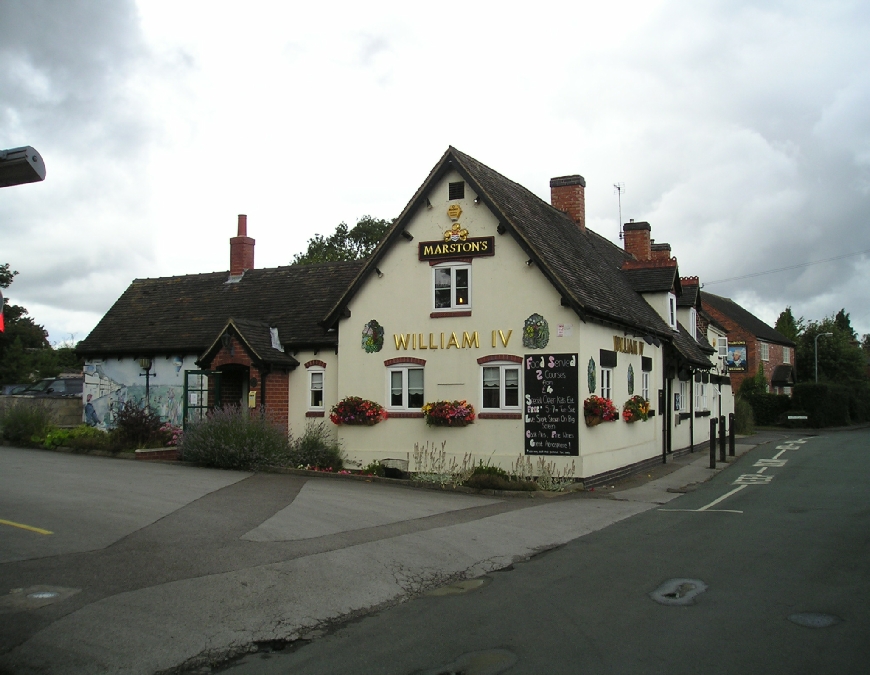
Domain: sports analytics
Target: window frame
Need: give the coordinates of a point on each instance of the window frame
(693, 319)
(453, 266)
(764, 351)
(786, 355)
(672, 311)
(644, 384)
(316, 370)
(403, 369)
(606, 377)
(701, 396)
(502, 366)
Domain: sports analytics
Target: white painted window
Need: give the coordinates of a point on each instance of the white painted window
(684, 396)
(700, 396)
(722, 347)
(405, 383)
(451, 286)
(672, 311)
(315, 388)
(644, 385)
(786, 390)
(693, 324)
(765, 351)
(607, 383)
(501, 386)
(786, 355)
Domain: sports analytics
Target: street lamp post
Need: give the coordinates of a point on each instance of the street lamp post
(817, 352)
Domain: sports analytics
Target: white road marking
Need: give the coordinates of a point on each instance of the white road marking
(762, 469)
(722, 498)
(770, 462)
(752, 479)
(777, 455)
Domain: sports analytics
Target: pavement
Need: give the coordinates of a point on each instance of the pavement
(222, 563)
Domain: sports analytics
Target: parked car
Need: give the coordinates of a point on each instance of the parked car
(56, 386)
(10, 389)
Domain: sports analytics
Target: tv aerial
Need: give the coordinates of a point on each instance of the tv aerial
(619, 188)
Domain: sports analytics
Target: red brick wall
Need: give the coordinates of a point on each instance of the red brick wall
(753, 352)
(568, 194)
(277, 401)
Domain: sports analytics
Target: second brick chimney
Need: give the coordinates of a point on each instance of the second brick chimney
(241, 249)
(637, 241)
(568, 194)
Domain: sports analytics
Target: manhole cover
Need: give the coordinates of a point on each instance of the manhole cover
(678, 592)
(43, 595)
(814, 619)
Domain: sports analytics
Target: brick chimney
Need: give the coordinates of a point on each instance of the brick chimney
(241, 249)
(659, 251)
(568, 194)
(637, 241)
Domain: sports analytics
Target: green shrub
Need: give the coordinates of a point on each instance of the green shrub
(317, 448)
(767, 409)
(487, 470)
(137, 427)
(826, 404)
(744, 420)
(82, 438)
(24, 420)
(234, 438)
(489, 480)
(373, 469)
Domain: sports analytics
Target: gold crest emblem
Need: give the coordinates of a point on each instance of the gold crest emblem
(456, 233)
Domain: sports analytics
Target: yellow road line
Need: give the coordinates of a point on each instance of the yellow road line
(38, 530)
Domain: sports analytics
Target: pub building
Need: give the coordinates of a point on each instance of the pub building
(481, 293)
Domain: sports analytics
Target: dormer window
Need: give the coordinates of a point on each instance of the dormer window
(672, 311)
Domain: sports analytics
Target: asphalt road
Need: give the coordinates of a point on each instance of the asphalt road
(782, 536)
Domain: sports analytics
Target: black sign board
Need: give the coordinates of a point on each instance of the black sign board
(472, 247)
(551, 407)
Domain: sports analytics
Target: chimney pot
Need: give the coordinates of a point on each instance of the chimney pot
(241, 249)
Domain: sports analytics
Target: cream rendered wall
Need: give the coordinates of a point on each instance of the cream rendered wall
(504, 293)
(298, 396)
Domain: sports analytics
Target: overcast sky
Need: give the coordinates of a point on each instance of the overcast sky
(741, 131)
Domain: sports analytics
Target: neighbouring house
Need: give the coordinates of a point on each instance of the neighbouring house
(481, 292)
(751, 343)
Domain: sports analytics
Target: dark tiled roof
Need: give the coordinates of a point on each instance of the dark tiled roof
(652, 279)
(185, 314)
(783, 376)
(745, 319)
(257, 337)
(696, 353)
(689, 296)
(580, 265)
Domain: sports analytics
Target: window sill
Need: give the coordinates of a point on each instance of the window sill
(315, 413)
(448, 314)
(499, 416)
(685, 416)
(403, 415)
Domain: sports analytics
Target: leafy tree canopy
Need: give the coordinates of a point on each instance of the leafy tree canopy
(25, 352)
(841, 358)
(789, 326)
(344, 243)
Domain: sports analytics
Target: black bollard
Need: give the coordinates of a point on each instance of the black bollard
(713, 421)
(731, 434)
(722, 439)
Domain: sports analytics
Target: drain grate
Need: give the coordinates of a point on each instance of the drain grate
(678, 592)
(814, 619)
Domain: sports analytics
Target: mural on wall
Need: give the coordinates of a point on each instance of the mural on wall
(590, 375)
(111, 383)
(373, 337)
(536, 332)
(736, 359)
(630, 379)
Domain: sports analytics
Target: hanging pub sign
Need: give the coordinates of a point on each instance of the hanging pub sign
(550, 408)
(456, 242)
(736, 359)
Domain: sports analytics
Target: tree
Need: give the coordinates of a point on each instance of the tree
(344, 244)
(841, 359)
(789, 326)
(25, 353)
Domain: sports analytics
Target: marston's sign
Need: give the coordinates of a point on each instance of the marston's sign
(473, 247)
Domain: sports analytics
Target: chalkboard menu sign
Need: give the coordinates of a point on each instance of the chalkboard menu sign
(550, 407)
